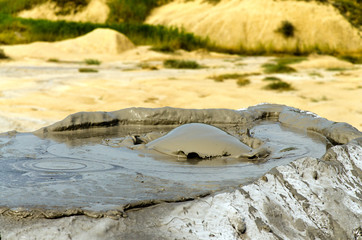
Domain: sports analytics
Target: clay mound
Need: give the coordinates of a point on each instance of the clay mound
(252, 24)
(96, 11)
(101, 41)
(98, 43)
(317, 61)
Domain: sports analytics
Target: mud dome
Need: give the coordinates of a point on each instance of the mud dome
(102, 163)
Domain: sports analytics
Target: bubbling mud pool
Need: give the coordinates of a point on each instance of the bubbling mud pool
(97, 167)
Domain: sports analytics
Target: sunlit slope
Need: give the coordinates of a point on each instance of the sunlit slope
(96, 11)
(253, 24)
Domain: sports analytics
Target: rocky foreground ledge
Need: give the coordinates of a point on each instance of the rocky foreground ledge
(308, 198)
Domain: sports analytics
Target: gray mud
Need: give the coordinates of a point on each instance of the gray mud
(98, 164)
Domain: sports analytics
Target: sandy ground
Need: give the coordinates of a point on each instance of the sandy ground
(35, 92)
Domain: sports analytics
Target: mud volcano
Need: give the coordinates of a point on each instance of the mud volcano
(106, 163)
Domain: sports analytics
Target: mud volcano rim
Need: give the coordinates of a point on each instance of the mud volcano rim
(338, 133)
(335, 132)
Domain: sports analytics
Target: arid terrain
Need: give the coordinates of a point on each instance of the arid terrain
(36, 92)
(285, 166)
(44, 82)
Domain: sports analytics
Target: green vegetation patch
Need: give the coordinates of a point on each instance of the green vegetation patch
(181, 64)
(351, 10)
(14, 6)
(15, 30)
(336, 69)
(271, 78)
(54, 60)
(277, 68)
(66, 6)
(87, 70)
(324, 98)
(355, 59)
(280, 65)
(242, 82)
(131, 10)
(279, 86)
(3, 55)
(290, 60)
(92, 62)
(213, 2)
(286, 29)
(222, 77)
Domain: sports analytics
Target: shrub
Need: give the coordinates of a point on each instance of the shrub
(131, 10)
(222, 77)
(336, 69)
(242, 82)
(279, 85)
(87, 70)
(181, 64)
(352, 59)
(11, 7)
(92, 62)
(290, 60)
(271, 78)
(3, 55)
(287, 29)
(55, 60)
(213, 2)
(277, 68)
(164, 49)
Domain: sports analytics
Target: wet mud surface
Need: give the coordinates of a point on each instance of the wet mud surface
(101, 162)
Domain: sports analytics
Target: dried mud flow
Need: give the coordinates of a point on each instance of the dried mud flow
(112, 175)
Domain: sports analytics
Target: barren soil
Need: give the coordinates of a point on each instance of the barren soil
(36, 92)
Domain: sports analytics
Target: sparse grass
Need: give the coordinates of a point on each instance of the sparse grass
(277, 68)
(87, 70)
(92, 62)
(15, 30)
(15, 6)
(286, 29)
(242, 82)
(351, 10)
(279, 65)
(213, 2)
(164, 49)
(3, 55)
(222, 77)
(290, 60)
(145, 65)
(336, 69)
(357, 59)
(181, 64)
(324, 98)
(279, 86)
(70, 6)
(131, 10)
(55, 60)
(271, 78)
(315, 74)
